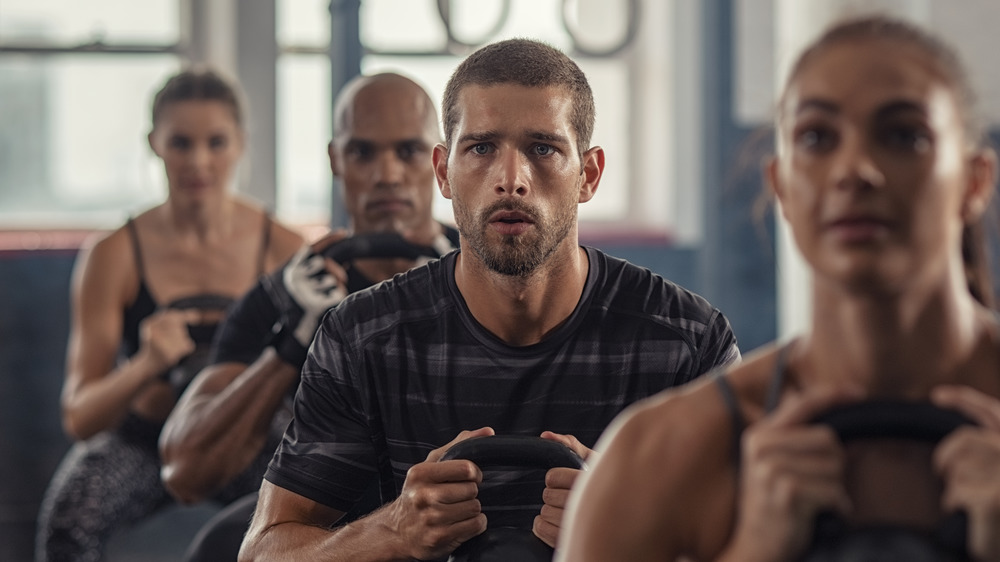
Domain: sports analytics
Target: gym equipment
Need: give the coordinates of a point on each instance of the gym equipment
(502, 544)
(181, 374)
(297, 324)
(377, 245)
(834, 540)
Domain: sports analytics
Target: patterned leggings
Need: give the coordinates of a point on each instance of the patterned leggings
(105, 484)
(102, 484)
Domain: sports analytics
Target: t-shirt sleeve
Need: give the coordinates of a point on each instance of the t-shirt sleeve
(718, 346)
(327, 454)
(247, 329)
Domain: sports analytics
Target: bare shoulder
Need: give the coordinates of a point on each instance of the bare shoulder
(679, 436)
(674, 429)
(108, 259)
(664, 480)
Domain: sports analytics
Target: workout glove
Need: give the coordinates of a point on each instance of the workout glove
(303, 290)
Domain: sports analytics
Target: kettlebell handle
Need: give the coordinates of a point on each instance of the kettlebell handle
(514, 450)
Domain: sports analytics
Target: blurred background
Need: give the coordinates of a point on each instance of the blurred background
(684, 92)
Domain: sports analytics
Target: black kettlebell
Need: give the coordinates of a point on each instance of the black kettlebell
(506, 544)
(836, 541)
(377, 245)
(180, 375)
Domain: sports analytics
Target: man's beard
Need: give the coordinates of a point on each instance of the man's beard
(514, 256)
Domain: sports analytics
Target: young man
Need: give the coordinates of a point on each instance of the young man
(227, 424)
(521, 332)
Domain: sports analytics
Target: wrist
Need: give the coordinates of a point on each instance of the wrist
(150, 364)
(288, 348)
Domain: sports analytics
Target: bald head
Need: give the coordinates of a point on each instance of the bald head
(385, 127)
(362, 93)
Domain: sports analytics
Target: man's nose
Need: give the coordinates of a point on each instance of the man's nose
(512, 173)
(389, 168)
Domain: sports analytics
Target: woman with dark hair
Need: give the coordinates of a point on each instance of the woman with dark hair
(883, 180)
(146, 299)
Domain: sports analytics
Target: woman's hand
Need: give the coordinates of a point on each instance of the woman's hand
(791, 471)
(164, 337)
(969, 462)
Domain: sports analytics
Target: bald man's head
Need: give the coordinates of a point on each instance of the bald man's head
(385, 127)
(396, 88)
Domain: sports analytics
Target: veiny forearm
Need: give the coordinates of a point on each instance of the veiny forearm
(369, 539)
(219, 427)
(101, 404)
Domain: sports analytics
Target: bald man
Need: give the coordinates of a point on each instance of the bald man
(227, 425)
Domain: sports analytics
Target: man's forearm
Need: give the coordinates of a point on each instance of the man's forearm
(221, 424)
(368, 539)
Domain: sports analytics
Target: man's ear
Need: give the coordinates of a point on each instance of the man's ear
(152, 146)
(440, 160)
(591, 168)
(982, 182)
(335, 163)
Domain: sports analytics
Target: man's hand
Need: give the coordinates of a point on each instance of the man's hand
(437, 509)
(558, 482)
(967, 461)
(303, 290)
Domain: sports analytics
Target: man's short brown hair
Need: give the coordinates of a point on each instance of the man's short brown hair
(526, 63)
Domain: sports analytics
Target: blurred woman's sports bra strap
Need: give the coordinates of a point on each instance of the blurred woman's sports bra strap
(265, 243)
(143, 305)
(732, 403)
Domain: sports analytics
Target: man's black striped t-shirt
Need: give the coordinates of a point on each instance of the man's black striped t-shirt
(401, 368)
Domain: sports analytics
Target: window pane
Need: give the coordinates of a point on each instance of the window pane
(73, 147)
(154, 22)
(402, 25)
(303, 22)
(304, 129)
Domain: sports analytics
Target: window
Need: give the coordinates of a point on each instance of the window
(76, 82)
(408, 36)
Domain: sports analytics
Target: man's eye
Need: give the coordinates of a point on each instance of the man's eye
(907, 138)
(543, 149)
(360, 152)
(406, 152)
(181, 143)
(218, 142)
(481, 148)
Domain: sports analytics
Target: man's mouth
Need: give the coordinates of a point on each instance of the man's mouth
(510, 223)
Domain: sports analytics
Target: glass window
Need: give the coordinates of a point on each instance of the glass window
(73, 147)
(153, 22)
(304, 129)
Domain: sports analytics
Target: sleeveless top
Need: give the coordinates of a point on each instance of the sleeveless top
(737, 420)
(145, 305)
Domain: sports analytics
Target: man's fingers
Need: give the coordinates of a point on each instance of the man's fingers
(436, 454)
(555, 497)
(561, 478)
(570, 441)
(545, 530)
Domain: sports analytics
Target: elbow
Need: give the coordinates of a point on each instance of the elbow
(186, 484)
(76, 428)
